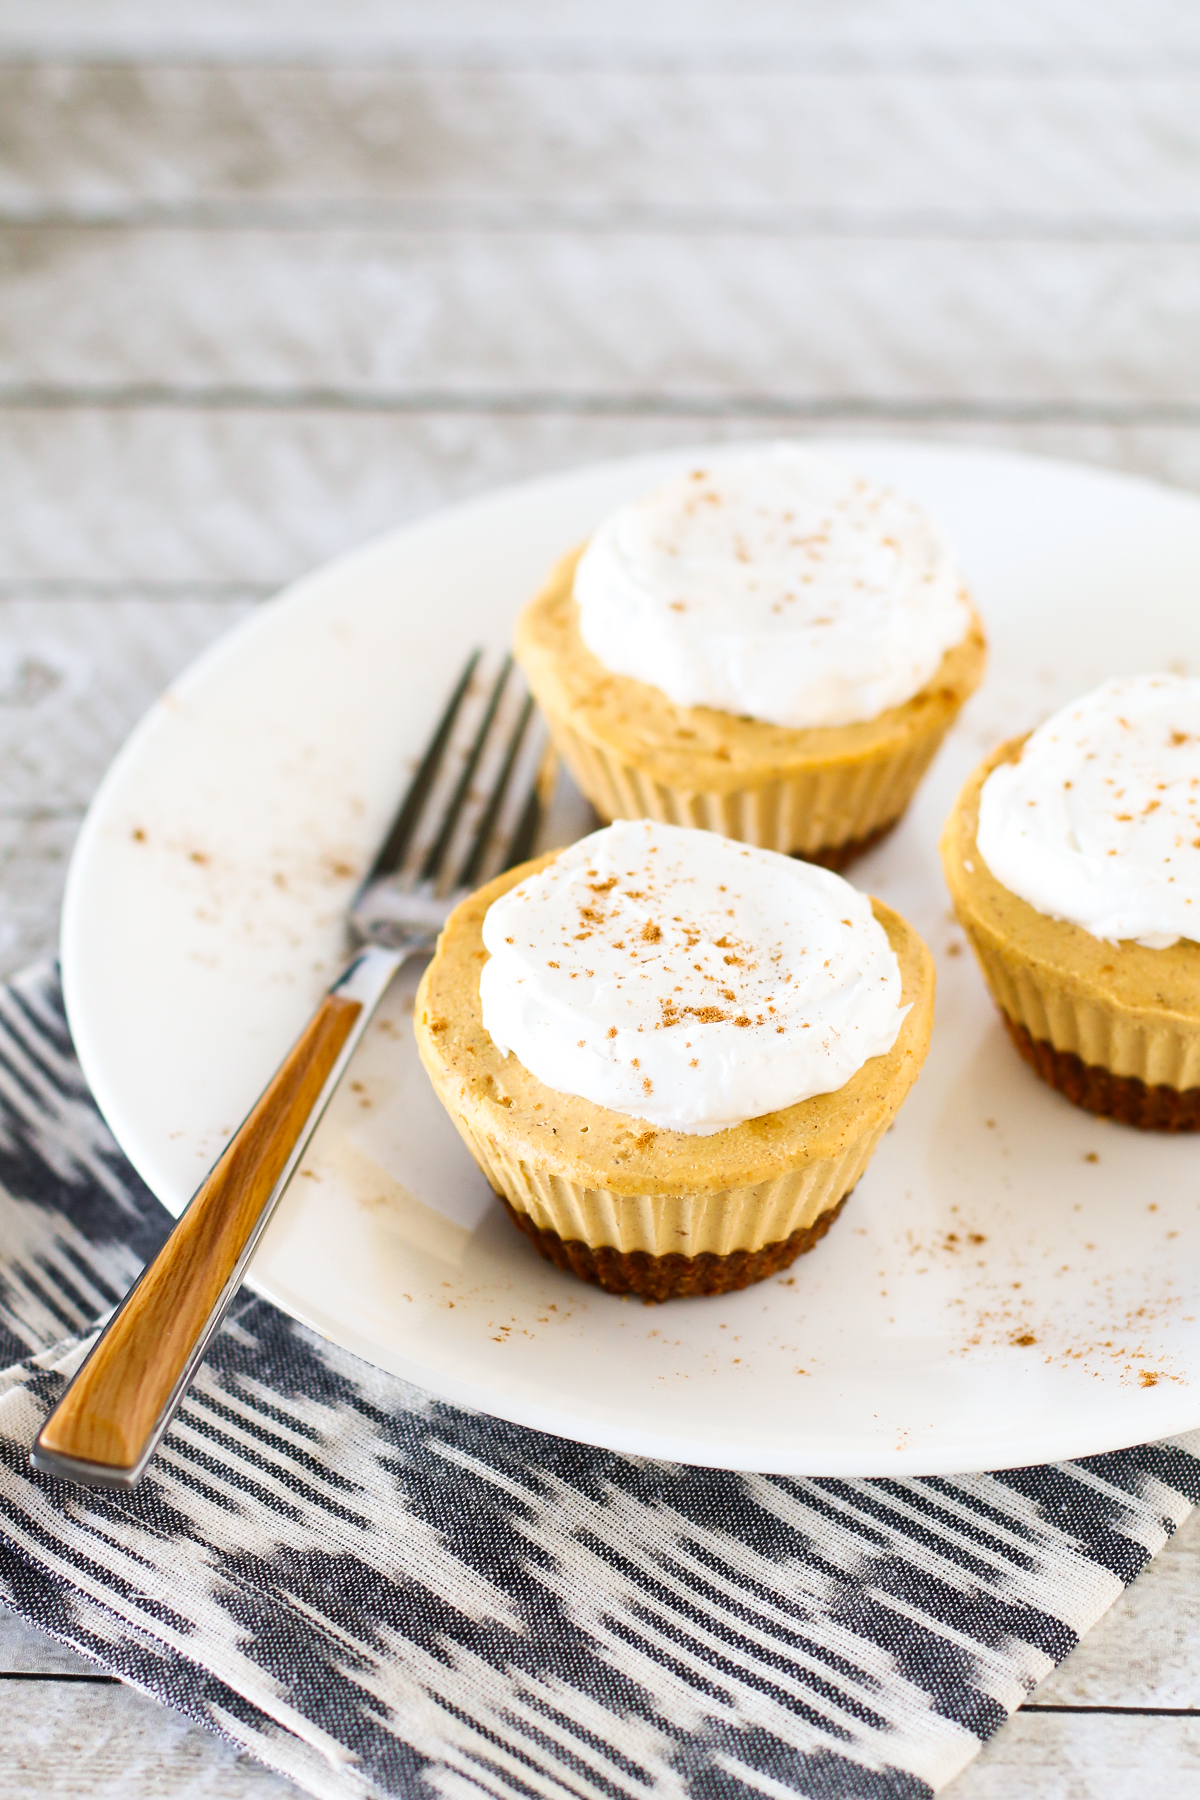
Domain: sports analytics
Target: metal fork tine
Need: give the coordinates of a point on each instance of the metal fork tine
(391, 854)
(521, 843)
(500, 739)
(469, 873)
(433, 862)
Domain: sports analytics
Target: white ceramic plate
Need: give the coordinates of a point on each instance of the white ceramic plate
(1012, 1282)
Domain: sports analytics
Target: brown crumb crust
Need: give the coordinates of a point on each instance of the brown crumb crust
(655, 1278)
(839, 856)
(1097, 1090)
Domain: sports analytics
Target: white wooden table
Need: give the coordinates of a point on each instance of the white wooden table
(273, 277)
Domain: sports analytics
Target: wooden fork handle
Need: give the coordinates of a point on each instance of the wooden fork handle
(110, 1420)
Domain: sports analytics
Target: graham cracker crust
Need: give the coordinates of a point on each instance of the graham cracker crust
(839, 856)
(1097, 1090)
(670, 1277)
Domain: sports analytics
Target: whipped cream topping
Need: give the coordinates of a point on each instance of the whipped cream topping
(1098, 821)
(687, 980)
(775, 585)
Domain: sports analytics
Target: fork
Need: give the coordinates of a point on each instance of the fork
(471, 809)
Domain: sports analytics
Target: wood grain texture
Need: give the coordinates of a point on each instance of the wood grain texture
(34, 853)
(537, 317)
(1086, 1757)
(75, 1741)
(111, 1409)
(784, 147)
(953, 34)
(77, 671)
(26, 1651)
(251, 496)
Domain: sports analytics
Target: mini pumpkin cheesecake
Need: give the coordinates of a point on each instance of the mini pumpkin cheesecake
(1073, 860)
(666, 1104)
(768, 647)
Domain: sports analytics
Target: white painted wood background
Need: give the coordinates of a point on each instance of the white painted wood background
(276, 275)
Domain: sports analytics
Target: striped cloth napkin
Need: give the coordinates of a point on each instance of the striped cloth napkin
(378, 1594)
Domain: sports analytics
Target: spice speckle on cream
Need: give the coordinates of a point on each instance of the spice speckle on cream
(774, 585)
(687, 980)
(1098, 820)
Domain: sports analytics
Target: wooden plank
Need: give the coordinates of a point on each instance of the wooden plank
(27, 1651)
(65, 1739)
(33, 869)
(76, 674)
(189, 496)
(784, 147)
(578, 319)
(1090, 1757)
(245, 497)
(598, 29)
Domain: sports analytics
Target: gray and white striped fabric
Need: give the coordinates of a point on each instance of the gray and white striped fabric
(378, 1594)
